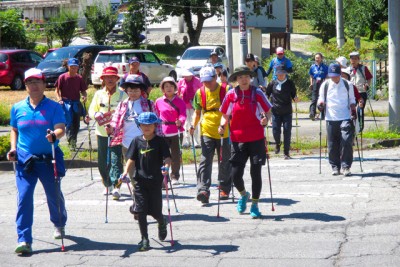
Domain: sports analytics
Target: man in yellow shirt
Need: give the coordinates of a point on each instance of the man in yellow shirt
(207, 101)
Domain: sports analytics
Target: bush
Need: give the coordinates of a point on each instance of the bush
(41, 49)
(4, 146)
(5, 114)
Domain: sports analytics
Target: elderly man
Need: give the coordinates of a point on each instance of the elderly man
(134, 65)
(37, 122)
(280, 60)
(336, 99)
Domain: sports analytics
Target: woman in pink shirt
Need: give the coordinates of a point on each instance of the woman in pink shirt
(187, 88)
(172, 111)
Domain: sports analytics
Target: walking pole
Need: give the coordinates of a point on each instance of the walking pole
(219, 169)
(194, 156)
(369, 101)
(320, 143)
(108, 172)
(127, 180)
(361, 135)
(297, 129)
(173, 195)
(358, 149)
(57, 184)
(180, 152)
(90, 141)
(269, 174)
(169, 209)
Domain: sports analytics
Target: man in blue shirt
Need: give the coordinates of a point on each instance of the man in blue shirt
(318, 72)
(280, 60)
(31, 119)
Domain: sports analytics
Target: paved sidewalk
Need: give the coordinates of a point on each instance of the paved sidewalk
(319, 220)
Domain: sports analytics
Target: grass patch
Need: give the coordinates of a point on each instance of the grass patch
(377, 113)
(380, 133)
(303, 27)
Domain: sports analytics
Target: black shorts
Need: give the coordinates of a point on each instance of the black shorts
(240, 152)
(148, 197)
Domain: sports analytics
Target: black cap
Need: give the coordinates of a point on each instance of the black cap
(250, 57)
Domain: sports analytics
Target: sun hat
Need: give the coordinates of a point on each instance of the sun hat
(241, 70)
(34, 73)
(133, 60)
(280, 51)
(347, 72)
(109, 71)
(186, 72)
(170, 80)
(73, 62)
(134, 81)
(147, 118)
(207, 73)
(280, 70)
(249, 57)
(334, 70)
(342, 61)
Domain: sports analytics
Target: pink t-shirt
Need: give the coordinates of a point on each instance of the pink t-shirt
(245, 123)
(168, 114)
(188, 89)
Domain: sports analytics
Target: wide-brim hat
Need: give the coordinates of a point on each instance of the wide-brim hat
(241, 70)
(170, 80)
(134, 81)
(147, 118)
(109, 71)
(342, 61)
(186, 73)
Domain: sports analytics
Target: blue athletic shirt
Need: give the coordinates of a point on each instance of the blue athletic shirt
(285, 62)
(32, 124)
(318, 72)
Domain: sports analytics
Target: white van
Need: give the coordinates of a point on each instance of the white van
(150, 64)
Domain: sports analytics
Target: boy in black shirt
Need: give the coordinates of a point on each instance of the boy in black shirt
(148, 154)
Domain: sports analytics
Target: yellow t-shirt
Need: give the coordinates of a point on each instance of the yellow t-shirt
(212, 117)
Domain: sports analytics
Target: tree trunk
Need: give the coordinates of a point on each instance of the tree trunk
(194, 34)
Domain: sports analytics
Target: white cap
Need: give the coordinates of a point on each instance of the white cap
(280, 51)
(207, 73)
(34, 73)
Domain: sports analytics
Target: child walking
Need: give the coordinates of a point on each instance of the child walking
(172, 111)
(148, 153)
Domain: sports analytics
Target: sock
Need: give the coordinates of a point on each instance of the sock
(243, 193)
(254, 201)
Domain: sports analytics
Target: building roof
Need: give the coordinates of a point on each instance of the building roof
(32, 3)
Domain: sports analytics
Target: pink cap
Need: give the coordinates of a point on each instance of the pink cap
(34, 73)
(280, 51)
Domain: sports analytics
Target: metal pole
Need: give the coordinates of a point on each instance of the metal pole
(394, 69)
(242, 31)
(339, 23)
(228, 34)
(287, 25)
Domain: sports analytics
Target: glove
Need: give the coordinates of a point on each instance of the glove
(321, 107)
(124, 179)
(353, 114)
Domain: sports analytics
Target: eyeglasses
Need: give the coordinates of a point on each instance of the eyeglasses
(33, 82)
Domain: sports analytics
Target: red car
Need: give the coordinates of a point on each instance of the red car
(14, 63)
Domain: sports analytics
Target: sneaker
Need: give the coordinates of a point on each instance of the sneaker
(335, 172)
(346, 172)
(162, 230)
(115, 193)
(203, 197)
(186, 145)
(287, 156)
(144, 245)
(174, 181)
(312, 117)
(110, 188)
(241, 205)
(254, 212)
(223, 195)
(277, 148)
(59, 232)
(23, 248)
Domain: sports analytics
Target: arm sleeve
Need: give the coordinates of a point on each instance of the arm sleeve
(271, 64)
(116, 115)
(368, 75)
(13, 120)
(94, 107)
(165, 149)
(58, 114)
(356, 93)
(225, 103)
(182, 111)
(293, 90)
(83, 85)
(196, 101)
(310, 71)
(260, 78)
(321, 94)
(268, 91)
(132, 150)
(351, 94)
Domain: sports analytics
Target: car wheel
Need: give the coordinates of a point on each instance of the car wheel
(17, 83)
(173, 75)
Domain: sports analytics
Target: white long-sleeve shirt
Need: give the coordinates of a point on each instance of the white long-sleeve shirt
(338, 100)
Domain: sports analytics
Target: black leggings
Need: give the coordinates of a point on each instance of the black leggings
(255, 173)
(143, 224)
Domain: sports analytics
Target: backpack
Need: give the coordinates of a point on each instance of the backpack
(222, 93)
(263, 72)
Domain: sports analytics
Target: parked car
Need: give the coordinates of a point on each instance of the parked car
(52, 65)
(150, 64)
(14, 63)
(195, 57)
(49, 52)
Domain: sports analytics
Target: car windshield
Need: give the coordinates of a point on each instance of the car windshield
(114, 58)
(195, 54)
(3, 57)
(62, 53)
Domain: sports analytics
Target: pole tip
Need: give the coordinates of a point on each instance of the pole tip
(62, 248)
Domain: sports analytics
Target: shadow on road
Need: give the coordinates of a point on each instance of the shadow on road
(213, 250)
(323, 217)
(379, 174)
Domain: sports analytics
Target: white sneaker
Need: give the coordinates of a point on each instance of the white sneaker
(346, 172)
(110, 188)
(115, 193)
(174, 181)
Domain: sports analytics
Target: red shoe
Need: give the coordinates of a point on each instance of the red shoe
(223, 195)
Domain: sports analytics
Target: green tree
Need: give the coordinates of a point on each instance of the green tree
(321, 15)
(12, 32)
(203, 10)
(134, 22)
(100, 21)
(63, 26)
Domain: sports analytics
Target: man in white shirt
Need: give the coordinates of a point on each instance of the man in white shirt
(336, 98)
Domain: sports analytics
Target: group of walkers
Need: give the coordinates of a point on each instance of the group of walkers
(215, 111)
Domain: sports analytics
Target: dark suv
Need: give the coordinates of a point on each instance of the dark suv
(52, 65)
(14, 63)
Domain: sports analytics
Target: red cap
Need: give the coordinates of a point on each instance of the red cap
(109, 71)
(34, 73)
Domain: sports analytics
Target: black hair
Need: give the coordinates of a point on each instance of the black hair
(320, 54)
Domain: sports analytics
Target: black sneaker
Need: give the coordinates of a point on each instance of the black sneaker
(162, 230)
(144, 245)
(203, 197)
(287, 156)
(277, 148)
(312, 117)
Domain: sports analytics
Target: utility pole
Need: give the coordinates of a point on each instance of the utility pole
(287, 26)
(394, 69)
(228, 34)
(339, 23)
(242, 30)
